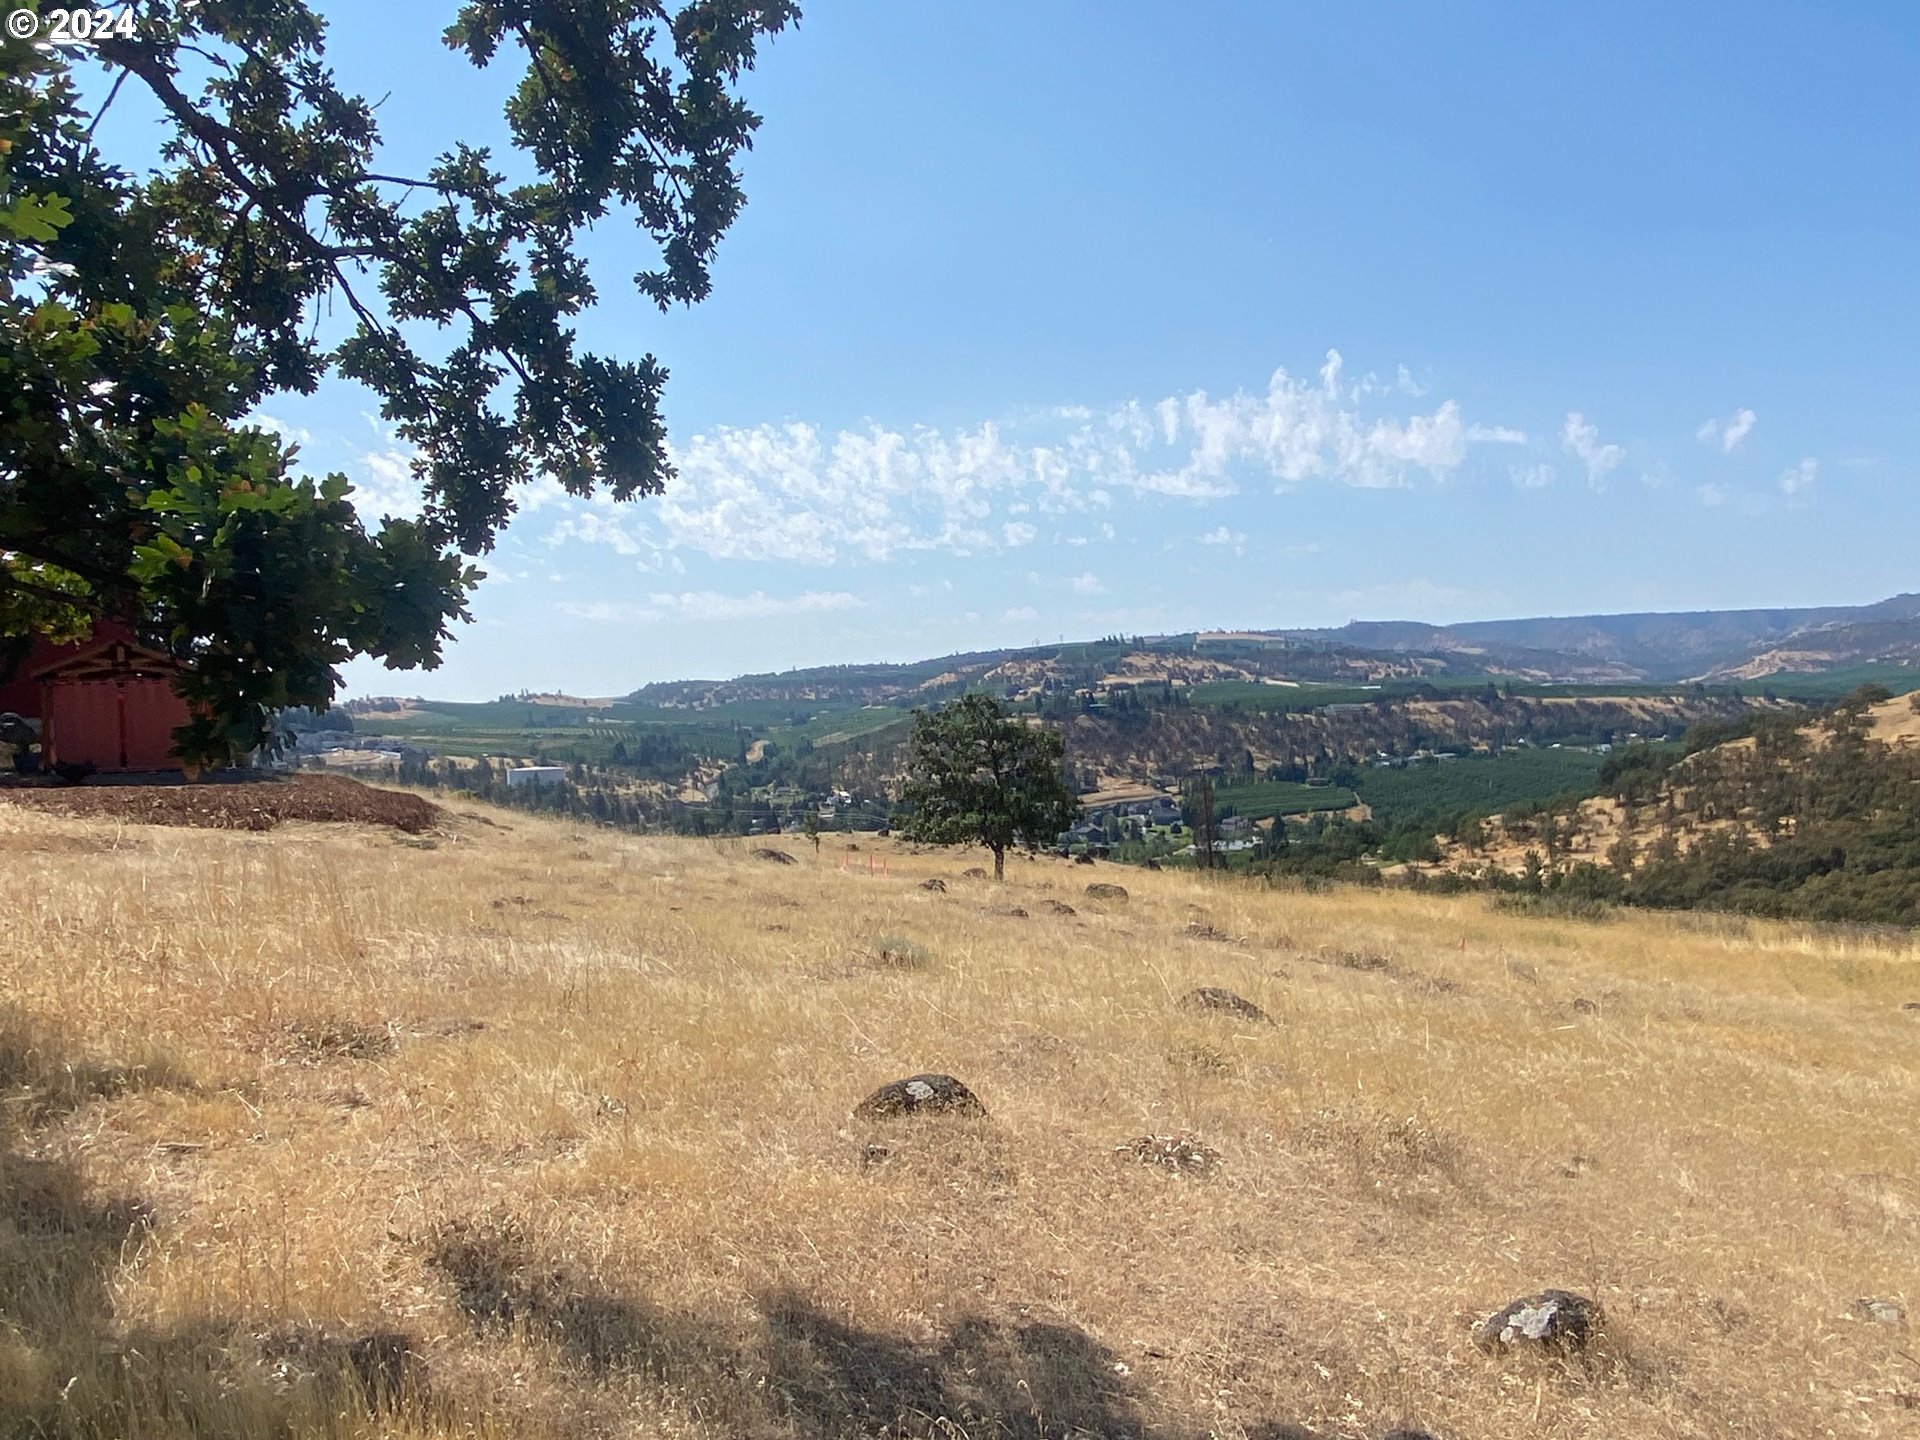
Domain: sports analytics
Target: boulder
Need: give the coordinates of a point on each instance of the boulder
(1102, 890)
(974, 872)
(1213, 997)
(1556, 1320)
(1057, 907)
(1083, 858)
(767, 852)
(935, 884)
(920, 1095)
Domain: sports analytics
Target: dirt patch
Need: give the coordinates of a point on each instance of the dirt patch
(253, 804)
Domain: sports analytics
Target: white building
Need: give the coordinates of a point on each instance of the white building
(536, 775)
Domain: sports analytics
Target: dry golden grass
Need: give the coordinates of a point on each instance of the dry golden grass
(546, 1132)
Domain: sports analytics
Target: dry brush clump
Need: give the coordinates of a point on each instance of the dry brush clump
(309, 1134)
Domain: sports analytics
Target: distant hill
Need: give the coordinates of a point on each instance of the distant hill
(1657, 648)
(1662, 646)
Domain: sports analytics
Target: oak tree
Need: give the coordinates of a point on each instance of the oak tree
(975, 775)
(145, 315)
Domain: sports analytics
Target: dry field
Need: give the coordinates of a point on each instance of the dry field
(526, 1130)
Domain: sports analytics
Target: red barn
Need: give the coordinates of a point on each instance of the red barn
(109, 702)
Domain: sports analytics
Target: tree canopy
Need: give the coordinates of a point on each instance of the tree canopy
(975, 775)
(144, 317)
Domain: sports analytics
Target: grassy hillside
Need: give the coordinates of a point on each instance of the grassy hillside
(550, 1127)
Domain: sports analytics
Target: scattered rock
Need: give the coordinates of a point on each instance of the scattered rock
(313, 1040)
(974, 872)
(1551, 1320)
(1083, 858)
(1584, 1006)
(767, 852)
(935, 884)
(1911, 1005)
(1057, 907)
(1880, 1311)
(1150, 865)
(1102, 890)
(1213, 997)
(1403, 1433)
(1014, 912)
(1200, 930)
(1362, 960)
(920, 1095)
(872, 1155)
(1576, 1166)
(1179, 1153)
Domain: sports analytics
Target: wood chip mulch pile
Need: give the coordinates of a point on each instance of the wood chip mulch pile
(252, 804)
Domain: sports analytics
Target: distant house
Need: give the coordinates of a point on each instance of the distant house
(536, 775)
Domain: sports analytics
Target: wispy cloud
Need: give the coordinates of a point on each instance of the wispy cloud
(1800, 478)
(1020, 613)
(1234, 540)
(709, 605)
(1086, 583)
(1580, 438)
(1531, 477)
(1728, 433)
(796, 492)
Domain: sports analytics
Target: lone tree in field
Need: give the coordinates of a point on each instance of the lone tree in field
(978, 776)
(145, 315)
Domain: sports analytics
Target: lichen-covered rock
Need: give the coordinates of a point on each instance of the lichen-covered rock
(767, 852)
(1106, 890)
(1551, 1320)
(1057, 907)
(920, 1095)
(1215, 998)
(935, 884)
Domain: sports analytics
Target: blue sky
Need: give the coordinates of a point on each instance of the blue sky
(1063, 319)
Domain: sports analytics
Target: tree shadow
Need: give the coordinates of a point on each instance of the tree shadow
(68, 1368)
(983, 1377)
(803, 1371)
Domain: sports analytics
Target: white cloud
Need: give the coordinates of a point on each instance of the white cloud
(1236, 540)
(1495, 435)
(386, 485)
(1581, 439)
(1729, 433)
(593, 528)
(1020, 613)
(697, 606)
(1086, 583)
(1800, 477)
(289, 434)
(797, 493)
(1712, 496)
(920, 592)
(1531, 477)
